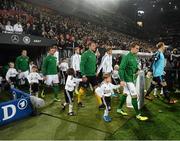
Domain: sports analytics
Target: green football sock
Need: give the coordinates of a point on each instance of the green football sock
(135, 105)
(122, 101)
(56, 91)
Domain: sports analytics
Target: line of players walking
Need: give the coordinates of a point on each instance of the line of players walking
(84, 72)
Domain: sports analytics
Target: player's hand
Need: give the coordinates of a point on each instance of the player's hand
(164, 72)
(98, 54)
(75, 72)
(97, 74)
(122, 83)
(149, 74)
(45, 78)
(138, 72)
(84, 79)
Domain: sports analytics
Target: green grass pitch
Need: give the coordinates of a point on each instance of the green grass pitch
(52, 123)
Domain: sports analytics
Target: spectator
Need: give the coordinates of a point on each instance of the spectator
(1, 27)
(9, 28)
(18, 28)
(28, 29)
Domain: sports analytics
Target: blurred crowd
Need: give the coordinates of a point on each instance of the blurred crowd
(69, 31)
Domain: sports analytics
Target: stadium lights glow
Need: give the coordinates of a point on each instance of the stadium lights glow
(140, 23)
(102, 2)
(111, 5)
(140, 12)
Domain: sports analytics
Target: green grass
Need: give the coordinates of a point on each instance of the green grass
(52, 123)
(5, 96)
(162, 125)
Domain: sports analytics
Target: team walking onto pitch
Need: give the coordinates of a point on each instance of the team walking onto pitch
(81, 72)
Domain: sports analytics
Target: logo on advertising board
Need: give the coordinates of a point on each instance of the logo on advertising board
(15, 39)
(26, 40)
(22, 104)
(10, 111)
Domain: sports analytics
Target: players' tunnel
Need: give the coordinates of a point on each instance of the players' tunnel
(11, 46)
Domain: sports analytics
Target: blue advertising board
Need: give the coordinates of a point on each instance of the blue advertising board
(15, 109)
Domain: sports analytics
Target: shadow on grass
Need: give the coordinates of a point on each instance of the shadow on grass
(162, 125)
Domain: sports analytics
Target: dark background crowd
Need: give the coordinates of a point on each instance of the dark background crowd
(70, 31)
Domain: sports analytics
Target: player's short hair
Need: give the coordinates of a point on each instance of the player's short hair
(34, 67)
(108, 49)
(133, 44)
(91, 42)
(11, 63)
(116, 66)
(23, 50)
(64, 59)
(76, 48)
(106, 75)
(159, 45)
(53, 47)
(70, 71)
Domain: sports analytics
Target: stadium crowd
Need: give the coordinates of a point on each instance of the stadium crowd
(22, 17)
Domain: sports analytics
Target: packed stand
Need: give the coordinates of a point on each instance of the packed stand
(20, 17)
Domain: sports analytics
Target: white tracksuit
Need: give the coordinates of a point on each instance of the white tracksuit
(75, 62)
(11, 73)
(64, 66)
(106, 64)
(71, 82)
(105, 91)
(34, 77)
